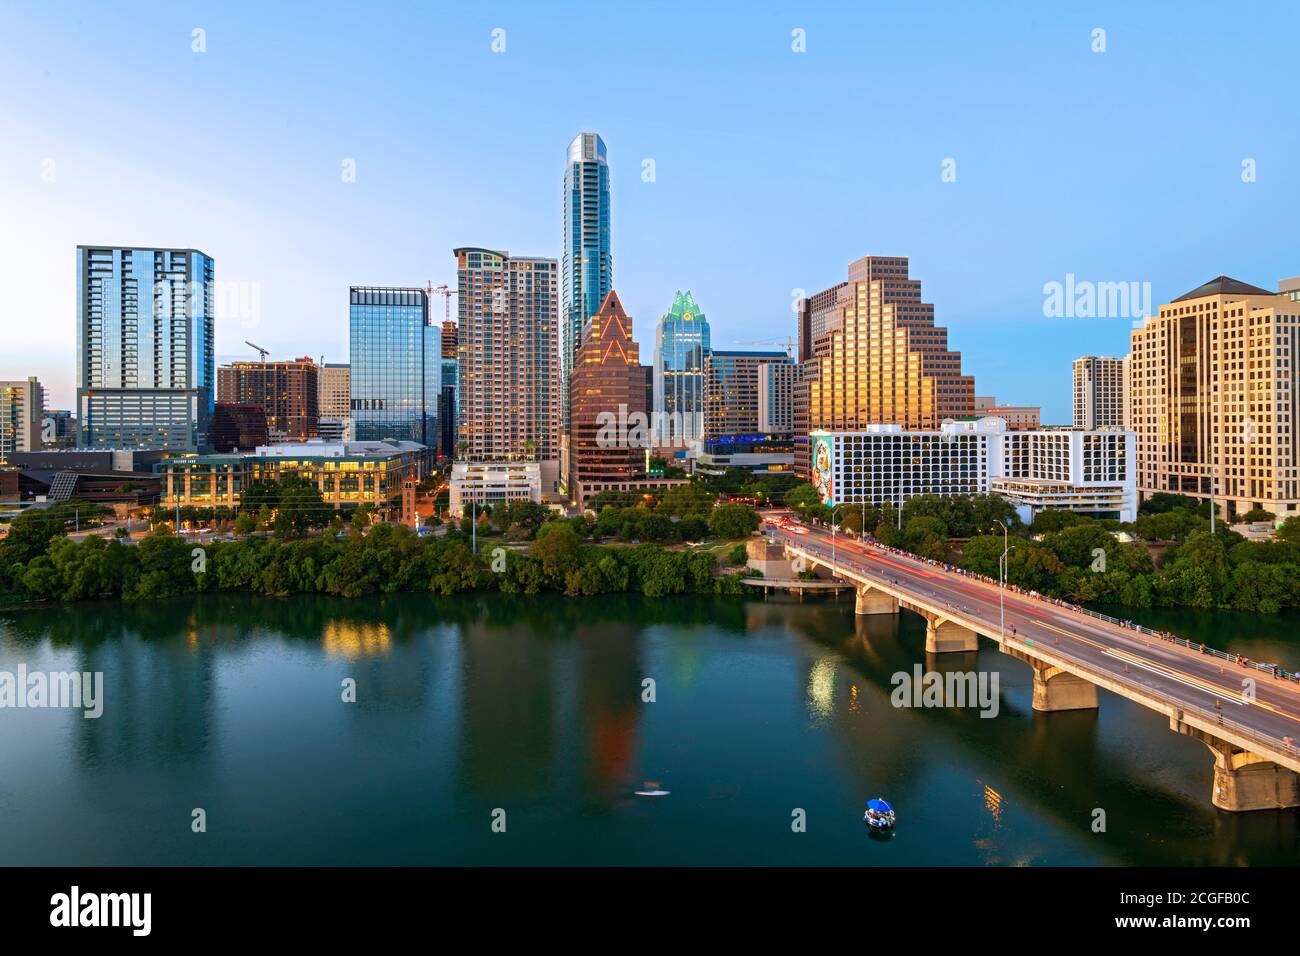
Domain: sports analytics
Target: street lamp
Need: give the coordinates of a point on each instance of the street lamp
(833, 510)
(1002, 582)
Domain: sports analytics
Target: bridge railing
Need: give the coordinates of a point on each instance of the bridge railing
(1287, 745)
(1275, 670)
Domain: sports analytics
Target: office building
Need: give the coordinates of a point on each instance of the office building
(22, 414)
(334, 392)
(731, 390)
(478, 485)
(1099, 387)
(288, 392)
(776, 396)
(395, 372)
(1018, 417)
(877, 356)
(238, 426)
(587, 264)
(59, 429)
(508, 388)
(1214, 387)
(608, 423)
(347, 473)
(145, 369)
(1087, 471)
(682, 343)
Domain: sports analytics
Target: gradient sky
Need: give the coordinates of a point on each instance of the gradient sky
(774, 169)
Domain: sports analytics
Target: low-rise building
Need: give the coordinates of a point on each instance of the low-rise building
(487, 483)
(1091, 472)
(348, 474)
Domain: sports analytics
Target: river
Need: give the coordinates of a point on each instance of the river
(529, 713)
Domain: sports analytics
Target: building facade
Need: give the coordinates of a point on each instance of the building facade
(682, 343)
(395, 368)
(480, 484)
(731, 390)
(288, 392)
(348, 474)
(1018, 417)
(776, 396)
(508, 391)
(1100, 386)
(237, 426)
(1214, 391)
(587, 264)
(334, 391)
(145, 369)
(878, 357)
(608, 433)
(1091, 472)
(22, 413)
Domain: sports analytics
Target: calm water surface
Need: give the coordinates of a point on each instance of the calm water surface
(465, 705)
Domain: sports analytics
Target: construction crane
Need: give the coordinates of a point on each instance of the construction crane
(788, 343)
(445, 291)
(257, 348)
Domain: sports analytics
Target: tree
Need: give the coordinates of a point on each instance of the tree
(556, 547)
(733, 521)
(689, 499)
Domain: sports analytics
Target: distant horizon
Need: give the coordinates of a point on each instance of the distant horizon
(998, 151)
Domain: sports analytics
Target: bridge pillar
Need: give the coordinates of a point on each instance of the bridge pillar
(872, 601)
(1055, 689)
(1243, 780)
(943, 636)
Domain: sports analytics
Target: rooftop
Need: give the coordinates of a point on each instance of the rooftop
(1223, 285)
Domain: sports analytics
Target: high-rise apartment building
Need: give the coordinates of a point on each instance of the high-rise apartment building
(1099, 385)
(731, 391)
(508, 392)
(395, 372)
(587, 265)
(877, 356)
(21, 412)
(334, 394)
(145, 369)
(682, 343)
(607, 402)
(288, 392)
(1214, 393)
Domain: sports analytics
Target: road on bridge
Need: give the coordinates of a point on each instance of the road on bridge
(1125, 655)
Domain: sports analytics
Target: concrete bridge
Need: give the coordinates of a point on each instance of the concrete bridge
(1249, 718)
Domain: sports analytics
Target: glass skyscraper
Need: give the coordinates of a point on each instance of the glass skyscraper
(144, 348)
(396, 360)
(681, 346)
(587, 267)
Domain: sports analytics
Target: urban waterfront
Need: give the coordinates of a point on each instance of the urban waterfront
(534, 706)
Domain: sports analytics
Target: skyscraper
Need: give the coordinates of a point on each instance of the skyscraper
(681, 345)
(878, 357)
(334, 390)
(731, 391)
(587, 266)
(396, 365)
(1214, 397)
(144, 348)
(608, 389)
(508, 389)
(1099, 392)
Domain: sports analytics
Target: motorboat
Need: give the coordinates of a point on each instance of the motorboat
(879, 815)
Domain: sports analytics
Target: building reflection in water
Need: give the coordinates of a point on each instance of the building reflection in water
(352, 639)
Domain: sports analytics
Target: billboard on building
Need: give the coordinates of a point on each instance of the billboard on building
(823, 456)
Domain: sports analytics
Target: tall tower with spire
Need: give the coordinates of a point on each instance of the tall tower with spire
(681, 345)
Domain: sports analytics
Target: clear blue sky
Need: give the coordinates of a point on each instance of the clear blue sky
(774, 169)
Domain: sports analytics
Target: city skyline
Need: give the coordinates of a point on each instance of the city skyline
(258, 187)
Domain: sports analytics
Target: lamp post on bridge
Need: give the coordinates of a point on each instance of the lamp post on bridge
(1002, 583)
(833, 510)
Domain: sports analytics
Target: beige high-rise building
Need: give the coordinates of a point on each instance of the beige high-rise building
(335, 390)
(878, 357)
(1099, 386)
(1214, 394)
(509, 382)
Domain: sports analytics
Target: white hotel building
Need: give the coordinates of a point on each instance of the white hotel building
(1088, 471)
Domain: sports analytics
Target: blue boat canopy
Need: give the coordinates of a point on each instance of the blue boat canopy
(880, 806)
